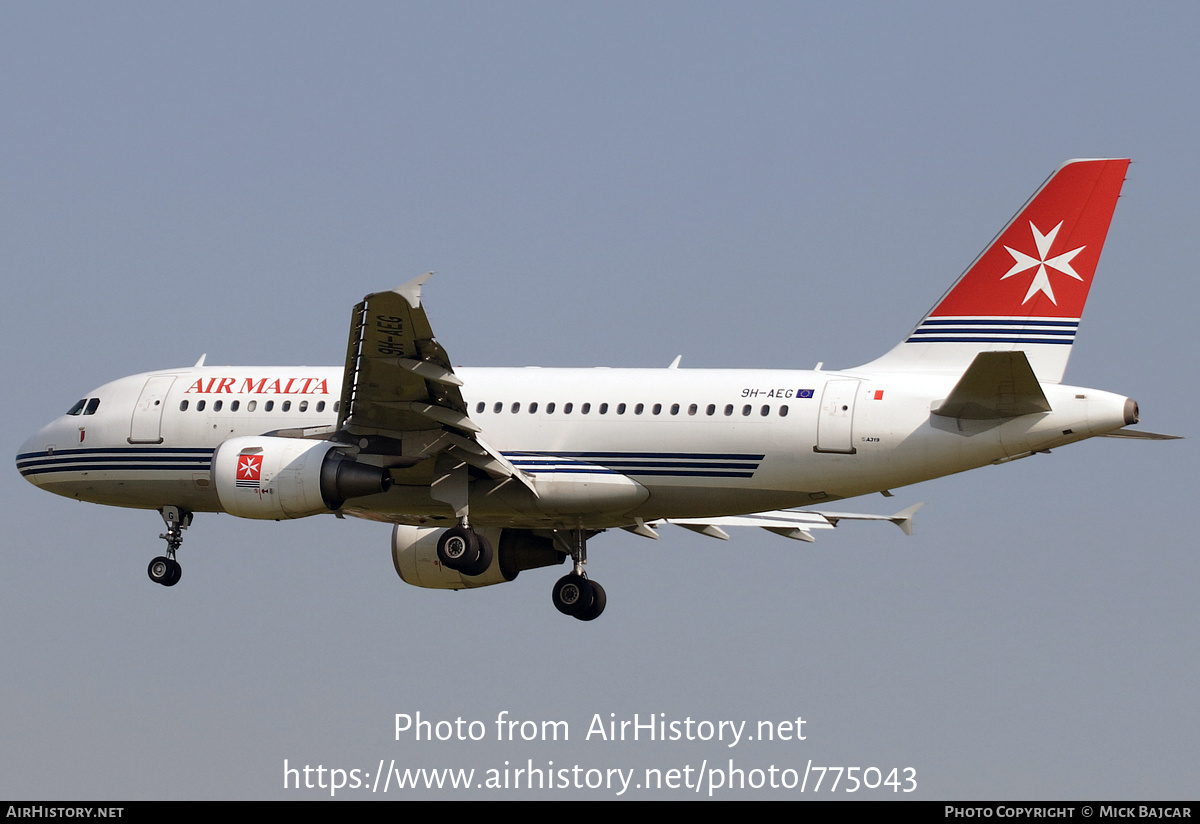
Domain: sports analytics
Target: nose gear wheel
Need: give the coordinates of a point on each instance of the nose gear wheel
(165, 569)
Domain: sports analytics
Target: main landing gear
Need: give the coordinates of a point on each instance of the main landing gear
(165, 569)
(579, 596)
(464, 550)
(576, 594)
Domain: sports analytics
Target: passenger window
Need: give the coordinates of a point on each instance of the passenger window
(533, 407)
(693, 409)
(498, 407)
(766, 410)
(217, 406)
(586, 408)
(711, 409)
(603, 409)
(183, 406)
(783, 411)
(270, 405)
(657, 408)
(251, 406)
(479, 407)
(200, 405)
(287, 406)
(637, 410)
(745, 410)
(675, 409)
(320, 406)
(336, 405)
(303, 406)
(550, 408)
(567, 408)
(233, 405)
(728, 409)
(516, 407)
(620, 409)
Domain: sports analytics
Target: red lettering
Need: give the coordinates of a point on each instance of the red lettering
(261, 386)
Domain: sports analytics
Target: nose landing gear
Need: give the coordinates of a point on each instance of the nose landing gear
(165, 569)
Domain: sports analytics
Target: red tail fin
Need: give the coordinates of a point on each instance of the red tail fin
(1027, 289)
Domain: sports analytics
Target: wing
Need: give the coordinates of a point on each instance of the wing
(401, 398)
(790, 523)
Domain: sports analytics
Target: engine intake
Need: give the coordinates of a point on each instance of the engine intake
(414, 554)
(275, 478)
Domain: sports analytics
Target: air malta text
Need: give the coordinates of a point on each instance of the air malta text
(263, 386)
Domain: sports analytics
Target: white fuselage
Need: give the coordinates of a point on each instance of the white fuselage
(603, 446)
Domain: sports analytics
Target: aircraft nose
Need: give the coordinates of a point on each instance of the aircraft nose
(25, 457)
(35, 454)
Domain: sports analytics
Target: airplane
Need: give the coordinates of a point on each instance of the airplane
(484, 473)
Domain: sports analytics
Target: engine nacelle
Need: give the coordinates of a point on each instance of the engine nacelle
(276, 478)
(414, 553)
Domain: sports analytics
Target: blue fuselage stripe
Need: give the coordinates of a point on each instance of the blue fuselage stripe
(115, 460)
(660, 464)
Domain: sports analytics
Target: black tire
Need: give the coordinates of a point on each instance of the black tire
(160, 570)
(572, 594)
(599, 599)
(483, 561)
(458, 548)
(175, 574)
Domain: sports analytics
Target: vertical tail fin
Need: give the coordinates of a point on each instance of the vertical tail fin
(1027, 289)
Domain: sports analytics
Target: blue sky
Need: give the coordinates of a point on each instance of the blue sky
(596, 184)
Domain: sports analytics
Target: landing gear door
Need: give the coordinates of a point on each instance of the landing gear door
(146, 425)
(836, 424)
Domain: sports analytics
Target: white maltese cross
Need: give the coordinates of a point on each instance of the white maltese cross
(1059, 263)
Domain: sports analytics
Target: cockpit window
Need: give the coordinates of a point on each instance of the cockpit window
(87, 406)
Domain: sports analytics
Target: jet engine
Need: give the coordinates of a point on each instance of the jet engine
(414, 554)
(275, 478)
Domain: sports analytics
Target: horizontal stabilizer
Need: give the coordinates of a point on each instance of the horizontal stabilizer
(997, 385)
(1137, 434)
